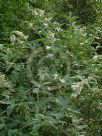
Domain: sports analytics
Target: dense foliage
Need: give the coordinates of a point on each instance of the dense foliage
(50, 68)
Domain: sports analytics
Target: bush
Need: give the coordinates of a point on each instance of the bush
(50, 80)
(50, 84)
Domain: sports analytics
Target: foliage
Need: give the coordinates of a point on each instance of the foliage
(50, 79)
(11, 16)
(86, 10)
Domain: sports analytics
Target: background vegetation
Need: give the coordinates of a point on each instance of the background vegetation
(50, 68)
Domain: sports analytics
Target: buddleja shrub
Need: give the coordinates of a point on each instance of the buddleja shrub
(50, 80)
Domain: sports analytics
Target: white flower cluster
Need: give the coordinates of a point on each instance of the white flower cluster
(12, 38)
(51, 37)
(77, 88)
(80, 31)
(38, 12)
(96, 57)
(48, 48)
(46, 22)
(3, 81)
(20, 34)
(17, 36)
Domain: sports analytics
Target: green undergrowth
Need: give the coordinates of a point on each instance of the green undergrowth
(50, 79)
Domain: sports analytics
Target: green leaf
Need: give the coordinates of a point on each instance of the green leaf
(2, 125)
(9, 110)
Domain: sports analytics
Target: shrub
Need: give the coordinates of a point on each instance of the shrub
(50, 80)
